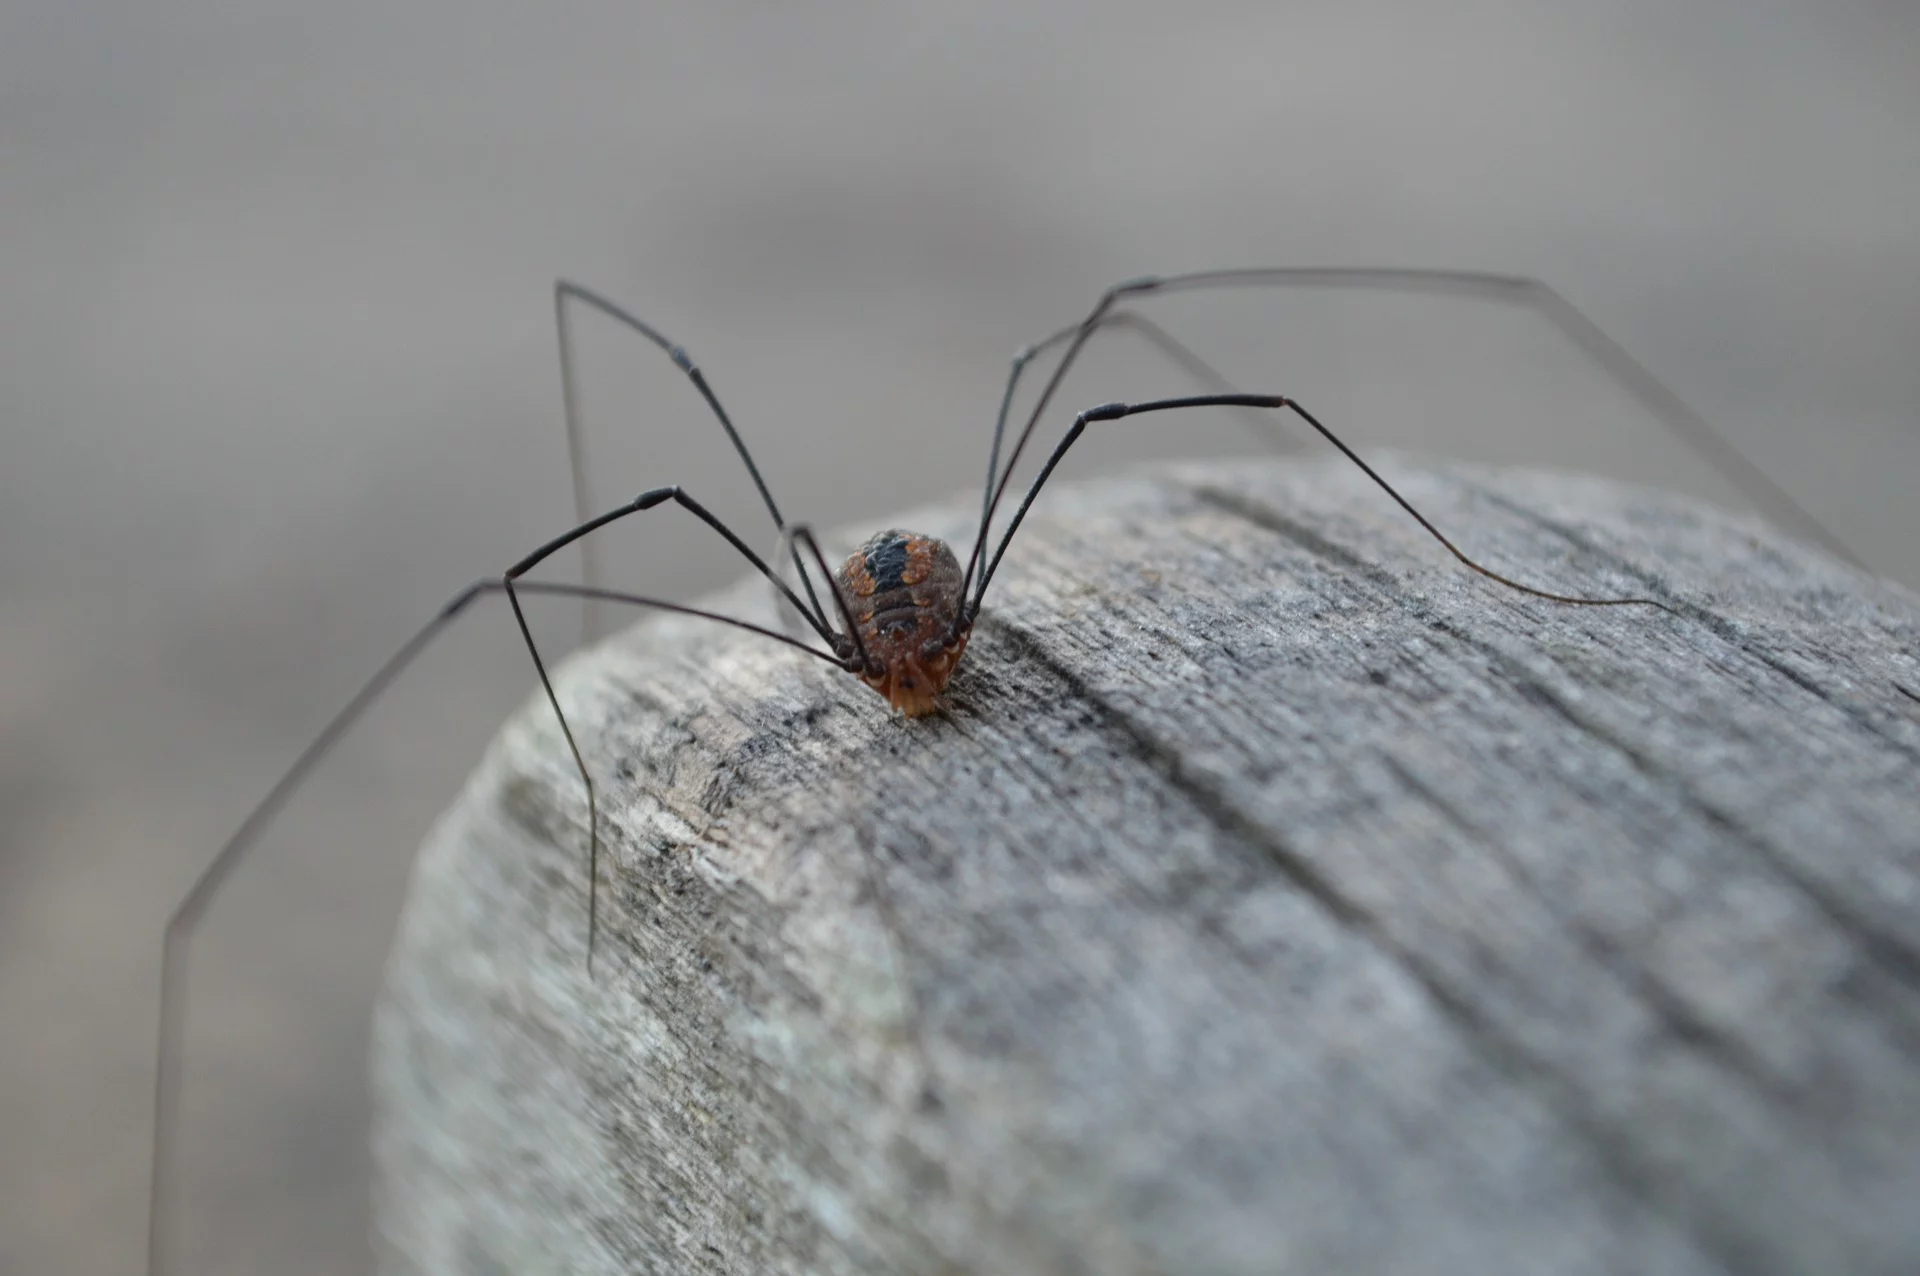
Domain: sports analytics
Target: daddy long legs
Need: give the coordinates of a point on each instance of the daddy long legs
(897, 613)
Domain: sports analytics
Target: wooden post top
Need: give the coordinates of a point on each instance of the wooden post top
(1273, 895)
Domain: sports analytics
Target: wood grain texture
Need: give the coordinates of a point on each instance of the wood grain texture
(1274, 896)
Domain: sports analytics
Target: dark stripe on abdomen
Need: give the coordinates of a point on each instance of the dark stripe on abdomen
(887, 564)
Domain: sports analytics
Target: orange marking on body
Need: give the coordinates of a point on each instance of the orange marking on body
(920, 552)
(853, 574)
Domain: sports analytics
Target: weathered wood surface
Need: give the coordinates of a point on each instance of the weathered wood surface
(1276, 896)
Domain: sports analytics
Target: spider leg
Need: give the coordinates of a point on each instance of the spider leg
(676, 494)
(802, 532)
(1114, 411)
(1154, 334)
(1515, 290)
(565, 293)
(1169, 345)
(186, 917)
(509, 582)
(644, 501)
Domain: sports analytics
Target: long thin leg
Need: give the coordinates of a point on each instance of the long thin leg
(674, 493)
(1532, 294)
(644, 501)
(186, 917)
(856, 646)
(1154, 334)
(1114, 411)
(1196, 367)
(565, 292)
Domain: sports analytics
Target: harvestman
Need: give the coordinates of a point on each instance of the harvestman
(907, 602)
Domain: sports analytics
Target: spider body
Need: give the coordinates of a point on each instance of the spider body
(905, 600)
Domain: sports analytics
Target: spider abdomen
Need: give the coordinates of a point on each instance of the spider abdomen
(903, 590)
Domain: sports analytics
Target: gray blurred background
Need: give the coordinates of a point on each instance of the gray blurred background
(279, 378)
